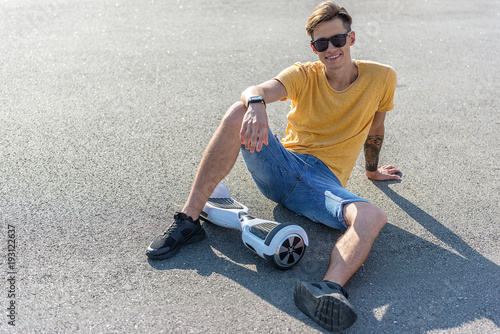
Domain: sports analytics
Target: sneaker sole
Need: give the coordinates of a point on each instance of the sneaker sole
(197, 237)
(330, 312)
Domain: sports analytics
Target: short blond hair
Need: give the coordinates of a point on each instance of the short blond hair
(327, 11)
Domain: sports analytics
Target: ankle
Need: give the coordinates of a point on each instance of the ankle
(193, 214)
(336, 285)
(188, 216)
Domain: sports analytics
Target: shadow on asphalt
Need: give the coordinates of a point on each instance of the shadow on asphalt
(435, 285)
(418, 285)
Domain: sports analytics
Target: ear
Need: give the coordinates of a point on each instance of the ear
(352, 38)
(314, 49)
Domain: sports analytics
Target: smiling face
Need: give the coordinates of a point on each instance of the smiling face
(334, 57)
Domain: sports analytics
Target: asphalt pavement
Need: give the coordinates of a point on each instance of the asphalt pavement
(106, 108)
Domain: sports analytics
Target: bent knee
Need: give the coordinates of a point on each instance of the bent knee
(379, 217)
(234, 115)
(367, 215)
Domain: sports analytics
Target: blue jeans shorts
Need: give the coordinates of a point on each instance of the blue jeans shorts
(302, 183)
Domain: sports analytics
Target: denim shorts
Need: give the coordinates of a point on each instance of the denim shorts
(302, 183)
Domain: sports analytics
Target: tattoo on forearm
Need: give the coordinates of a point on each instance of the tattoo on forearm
(373, 146)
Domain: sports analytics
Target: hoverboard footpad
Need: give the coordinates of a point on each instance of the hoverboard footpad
(262, 230)
(225, 203)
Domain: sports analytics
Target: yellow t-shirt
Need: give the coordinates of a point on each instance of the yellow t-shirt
(333, 125)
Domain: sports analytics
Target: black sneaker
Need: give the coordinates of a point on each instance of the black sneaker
(326, 303)
(183, 231)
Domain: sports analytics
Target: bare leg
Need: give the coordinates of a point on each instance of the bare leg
(365, 221)
(217, 161)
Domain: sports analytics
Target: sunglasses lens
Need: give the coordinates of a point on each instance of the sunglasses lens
(321, 45)
(338, 42)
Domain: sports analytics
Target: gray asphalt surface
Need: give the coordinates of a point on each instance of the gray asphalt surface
(105, 110)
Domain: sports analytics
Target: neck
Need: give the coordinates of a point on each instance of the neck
(341, 78)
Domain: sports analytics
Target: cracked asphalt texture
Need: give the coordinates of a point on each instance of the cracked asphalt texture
(106, 108)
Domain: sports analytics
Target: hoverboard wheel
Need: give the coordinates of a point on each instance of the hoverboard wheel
(289, 252)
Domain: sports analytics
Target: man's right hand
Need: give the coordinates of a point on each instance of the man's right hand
(254, 131)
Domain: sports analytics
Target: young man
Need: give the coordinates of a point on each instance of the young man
(338, 105)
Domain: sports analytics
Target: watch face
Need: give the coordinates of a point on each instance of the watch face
(255, 99)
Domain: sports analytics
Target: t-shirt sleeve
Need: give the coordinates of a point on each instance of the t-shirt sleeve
(387, 101)
(293, 78)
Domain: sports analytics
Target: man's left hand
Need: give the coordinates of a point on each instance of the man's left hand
(384, 173)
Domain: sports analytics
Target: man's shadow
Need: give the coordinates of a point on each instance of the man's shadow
(424, 285)
(408, 284)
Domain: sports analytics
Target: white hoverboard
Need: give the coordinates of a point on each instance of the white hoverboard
(281, 244)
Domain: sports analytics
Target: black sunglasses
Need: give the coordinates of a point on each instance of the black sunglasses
(337, 41)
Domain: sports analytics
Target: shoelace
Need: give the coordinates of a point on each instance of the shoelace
(170, 228)
(177, 221)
